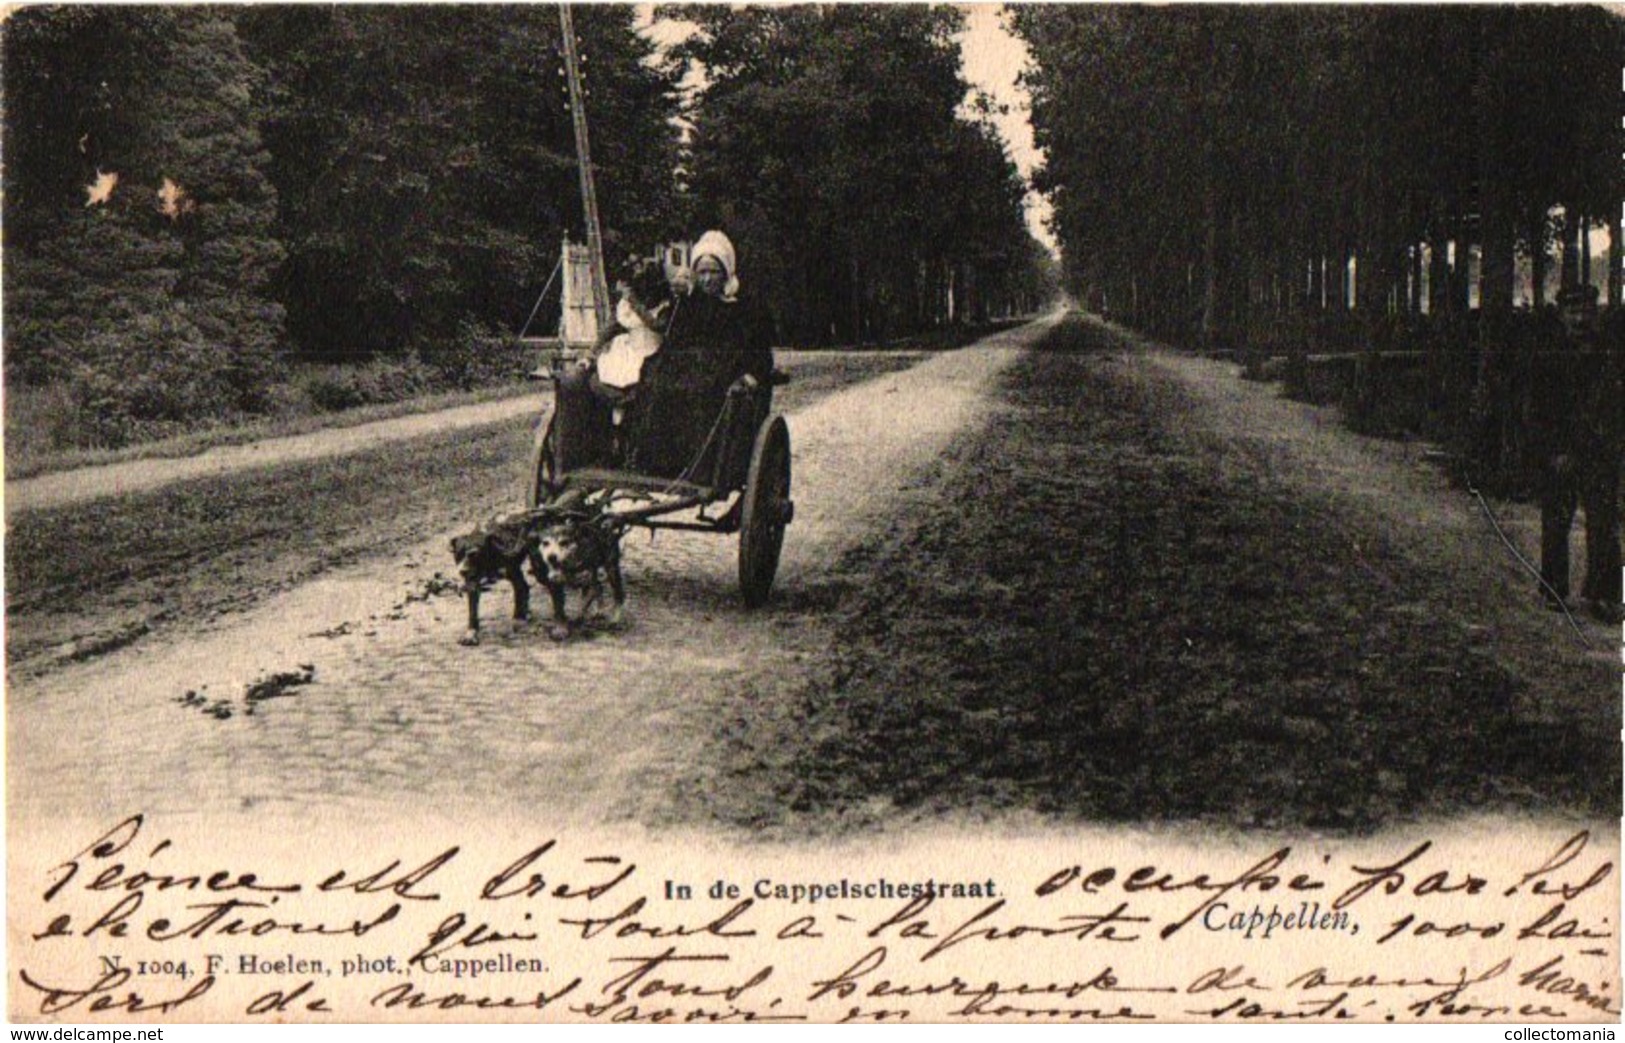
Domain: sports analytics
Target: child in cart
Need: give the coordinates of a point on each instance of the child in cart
(644, 305)
(594, 398)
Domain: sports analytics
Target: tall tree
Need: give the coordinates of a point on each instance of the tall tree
(427, 167)
(140, 232)
(830, 139)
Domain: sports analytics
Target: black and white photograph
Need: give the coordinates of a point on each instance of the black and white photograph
(834, 513)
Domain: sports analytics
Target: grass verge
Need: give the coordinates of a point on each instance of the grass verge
(1104, 615)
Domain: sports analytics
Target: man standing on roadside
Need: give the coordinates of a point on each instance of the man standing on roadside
(1578, 417)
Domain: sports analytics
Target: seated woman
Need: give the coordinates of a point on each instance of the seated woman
(708, 352)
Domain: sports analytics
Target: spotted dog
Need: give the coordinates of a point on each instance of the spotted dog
(579, 551)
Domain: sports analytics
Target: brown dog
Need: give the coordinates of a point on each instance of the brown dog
(496, 550)
(579, 552)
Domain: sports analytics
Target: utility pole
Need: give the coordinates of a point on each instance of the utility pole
(589, 195)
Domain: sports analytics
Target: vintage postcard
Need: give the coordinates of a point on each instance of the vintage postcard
(813, 513)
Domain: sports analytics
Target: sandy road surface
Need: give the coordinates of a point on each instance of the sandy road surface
(398, 713)
(88, 483)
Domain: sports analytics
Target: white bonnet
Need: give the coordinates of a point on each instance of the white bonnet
(715, 244)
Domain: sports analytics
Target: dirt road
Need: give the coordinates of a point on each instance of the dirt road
(116, 566)
(84, 484)
(1150, 592)
(1100, 582)
(396, 711)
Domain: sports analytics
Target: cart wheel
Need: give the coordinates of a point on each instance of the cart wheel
(542, 481)
(767, 511)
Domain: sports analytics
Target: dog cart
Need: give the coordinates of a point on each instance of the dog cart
(739, 483)
(742, 472)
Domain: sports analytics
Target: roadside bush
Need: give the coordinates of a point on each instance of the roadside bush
(154, 376)
(335, 388)
(1286, 336)
(478, 355)
(39, 420)
(289, 398)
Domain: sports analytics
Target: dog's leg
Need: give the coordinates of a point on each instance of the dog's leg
(521, 592)
(471, 636)
(590, 595)
(617, 587)
(559, 629)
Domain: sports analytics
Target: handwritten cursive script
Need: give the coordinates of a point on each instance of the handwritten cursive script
(142, 924)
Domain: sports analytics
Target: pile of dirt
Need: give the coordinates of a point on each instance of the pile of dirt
(1108, 613)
